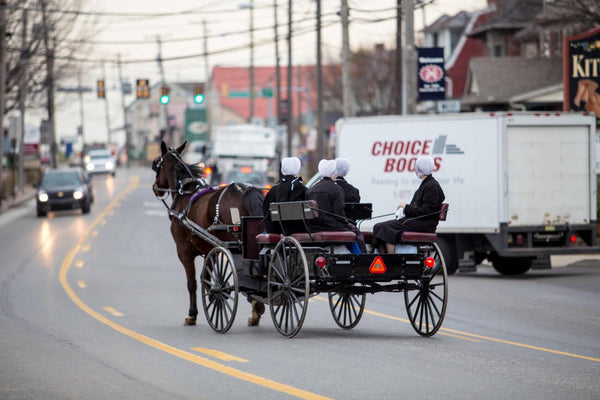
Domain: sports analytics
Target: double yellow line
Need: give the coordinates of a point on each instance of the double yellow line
(216, 366)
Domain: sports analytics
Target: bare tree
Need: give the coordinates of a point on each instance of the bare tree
(68, 32)
(572, 15)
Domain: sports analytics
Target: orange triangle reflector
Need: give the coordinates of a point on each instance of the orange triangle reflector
(377, 266)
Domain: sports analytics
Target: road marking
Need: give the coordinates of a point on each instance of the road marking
(95, 233)
(81, 284)
(79, 263)
(113, 311)
(185, 355)
(218, 354)
(86, 248)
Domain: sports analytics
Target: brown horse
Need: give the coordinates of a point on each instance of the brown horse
(207, 207)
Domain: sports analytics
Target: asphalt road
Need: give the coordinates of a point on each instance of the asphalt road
(92, 306)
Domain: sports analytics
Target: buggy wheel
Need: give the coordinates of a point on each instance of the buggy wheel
(288, 287)
(347, 308)
(426, 304)
(219, 289)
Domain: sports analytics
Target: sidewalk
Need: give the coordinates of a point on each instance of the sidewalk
(19, 198)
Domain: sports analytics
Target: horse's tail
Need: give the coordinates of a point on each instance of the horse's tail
(253, 201)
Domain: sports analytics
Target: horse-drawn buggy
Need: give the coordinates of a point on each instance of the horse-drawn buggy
(285, 271)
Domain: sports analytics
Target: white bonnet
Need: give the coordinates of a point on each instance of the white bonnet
(342, 166)
(290, 166)
(327, 168)
(425, 165)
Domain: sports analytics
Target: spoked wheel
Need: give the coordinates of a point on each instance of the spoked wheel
(347, 308)
(288, 287)
(426, 305)
(219, 288)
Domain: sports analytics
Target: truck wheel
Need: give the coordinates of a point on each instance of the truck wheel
(449, 253)
(512, 266)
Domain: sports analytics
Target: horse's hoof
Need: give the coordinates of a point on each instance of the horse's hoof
(258, 307)
(189, 321)
(253, 321)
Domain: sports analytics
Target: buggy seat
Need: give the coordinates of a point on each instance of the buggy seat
(302, 211)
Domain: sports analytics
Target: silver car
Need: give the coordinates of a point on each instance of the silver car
(100, 161)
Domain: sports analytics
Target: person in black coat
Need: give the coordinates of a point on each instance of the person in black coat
(421, 215)
(288, 188)
(351, 194)
(330, 201)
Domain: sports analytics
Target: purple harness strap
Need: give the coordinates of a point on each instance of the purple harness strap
(201, 193)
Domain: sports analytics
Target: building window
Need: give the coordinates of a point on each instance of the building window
(435, 39)
(498, 50)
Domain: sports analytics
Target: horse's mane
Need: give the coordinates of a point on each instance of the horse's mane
(181, 173)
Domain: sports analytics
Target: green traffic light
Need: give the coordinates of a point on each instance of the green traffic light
(164, 99)
(199, 98)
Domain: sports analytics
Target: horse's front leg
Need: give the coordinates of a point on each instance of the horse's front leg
(187, 260)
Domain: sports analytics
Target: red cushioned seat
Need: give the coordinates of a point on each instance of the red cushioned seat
(268, 238)
(368, 235)
(408, 236)
(326, 236)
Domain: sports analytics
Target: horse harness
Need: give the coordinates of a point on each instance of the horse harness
(200, 189)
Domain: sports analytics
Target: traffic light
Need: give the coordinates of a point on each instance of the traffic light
(199, 93)
(100, 89)
(164, 94)
(142, 88)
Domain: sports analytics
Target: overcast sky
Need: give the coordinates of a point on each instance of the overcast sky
(134, 37)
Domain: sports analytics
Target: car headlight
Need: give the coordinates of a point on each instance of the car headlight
(78, 194)
(89, 167)
(109, 165)
(43, 197)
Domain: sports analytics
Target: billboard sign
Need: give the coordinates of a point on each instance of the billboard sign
(431, 73)
(581, 79)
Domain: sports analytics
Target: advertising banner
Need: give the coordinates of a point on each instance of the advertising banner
(431, 74)
(581, 79)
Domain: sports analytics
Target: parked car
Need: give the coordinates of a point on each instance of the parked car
(99, 161)
(64, 189)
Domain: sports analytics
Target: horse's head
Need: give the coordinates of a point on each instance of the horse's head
(165, 167)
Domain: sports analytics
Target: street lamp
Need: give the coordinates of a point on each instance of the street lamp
(250, 5)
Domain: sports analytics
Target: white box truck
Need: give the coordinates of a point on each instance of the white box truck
(244, 145)
(521, 186)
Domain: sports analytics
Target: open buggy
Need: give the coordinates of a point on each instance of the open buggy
(285, 271)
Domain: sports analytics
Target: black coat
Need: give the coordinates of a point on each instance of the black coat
(351, 194)
(330, 200)
(427, 200)
(289, 188)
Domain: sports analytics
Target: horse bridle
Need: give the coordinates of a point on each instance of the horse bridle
(157, 166)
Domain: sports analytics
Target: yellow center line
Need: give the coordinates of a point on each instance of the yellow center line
(218, 354)
(113, 311)
(202, 361)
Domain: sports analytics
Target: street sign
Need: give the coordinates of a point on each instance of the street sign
(267, 92)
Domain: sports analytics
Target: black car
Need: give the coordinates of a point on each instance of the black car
(64, 189)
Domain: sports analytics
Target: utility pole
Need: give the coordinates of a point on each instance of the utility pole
(348, 104)
(50, 86)
(208, 98)
(23, 82)
(399, 65)
(289, 83)
(81, 117)
(251, 60)
(321, 136)
(3, 6)
(106, 114)
(125, 123)
(163, 82)
(408, 60)
(277, 72)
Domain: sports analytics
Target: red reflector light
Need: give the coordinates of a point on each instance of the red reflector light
(321, 262)
(377, 266)
(429, 262)
(222, 184)
(246, 170)
(208, 170)
(236, 228)
(573, 238)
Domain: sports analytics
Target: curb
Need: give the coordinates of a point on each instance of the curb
(18, 199)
